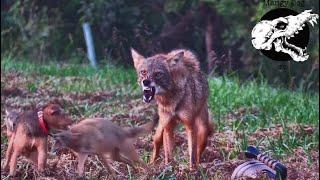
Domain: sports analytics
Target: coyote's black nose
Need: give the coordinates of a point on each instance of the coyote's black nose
(146, 82)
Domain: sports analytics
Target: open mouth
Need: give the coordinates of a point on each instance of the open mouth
(298, 51)
(283, 45)
(148, 94)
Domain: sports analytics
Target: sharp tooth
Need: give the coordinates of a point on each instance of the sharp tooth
(311, 22)
(314, 20)
(149, 98)
(289, 37)
(292, 35)
(303, 25)
(300, 29)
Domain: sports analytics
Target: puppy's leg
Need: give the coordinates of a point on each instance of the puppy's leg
(115, 155)
(107, 166)
(202, 124)
(157, 142)
(81, 160)
(13, 161)
(192, 144)
(18, 144)
(9, 153)
(129, 152)
(42, 153)
(168, 141)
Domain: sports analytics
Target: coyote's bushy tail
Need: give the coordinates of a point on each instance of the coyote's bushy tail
(145, 128)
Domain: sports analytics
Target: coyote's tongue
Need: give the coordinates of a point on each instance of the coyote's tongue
(148, 94)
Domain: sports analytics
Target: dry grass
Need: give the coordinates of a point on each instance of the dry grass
(123, 105)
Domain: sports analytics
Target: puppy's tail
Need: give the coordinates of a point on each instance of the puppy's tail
(145, 128)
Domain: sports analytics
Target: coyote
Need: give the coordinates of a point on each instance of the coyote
(99, 136)
(181, 91)
(28, 134)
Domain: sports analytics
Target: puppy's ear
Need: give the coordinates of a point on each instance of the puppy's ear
(137, 58)
(54, 110)
(176, 59)
(56, 101)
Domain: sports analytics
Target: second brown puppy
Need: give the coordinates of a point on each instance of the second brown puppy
(99, 136)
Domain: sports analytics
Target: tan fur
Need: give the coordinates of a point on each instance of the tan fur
(11, 120)
(181, 94)
(190, 60)
(101, 137)
(27, 138)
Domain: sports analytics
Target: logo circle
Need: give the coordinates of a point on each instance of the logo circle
(299, 39)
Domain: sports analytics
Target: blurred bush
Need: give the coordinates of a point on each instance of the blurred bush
(219, 31)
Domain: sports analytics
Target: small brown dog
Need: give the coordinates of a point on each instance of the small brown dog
(101, 137)
(29, 135)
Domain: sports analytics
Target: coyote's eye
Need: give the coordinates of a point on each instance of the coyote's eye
(143, 72)
(158, 75)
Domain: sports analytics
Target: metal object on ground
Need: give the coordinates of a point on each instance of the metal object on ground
(259, 165)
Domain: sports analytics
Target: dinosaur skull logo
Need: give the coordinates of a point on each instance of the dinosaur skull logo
(283, 34)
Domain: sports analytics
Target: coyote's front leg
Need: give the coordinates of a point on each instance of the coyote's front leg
(157, 143)
(168, 141)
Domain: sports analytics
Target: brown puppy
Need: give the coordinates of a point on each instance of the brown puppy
(101, 137)
(29, 136)
(181, 92)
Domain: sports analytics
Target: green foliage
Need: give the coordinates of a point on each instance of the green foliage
(46, 30)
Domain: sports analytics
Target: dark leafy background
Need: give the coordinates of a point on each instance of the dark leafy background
(43, 30)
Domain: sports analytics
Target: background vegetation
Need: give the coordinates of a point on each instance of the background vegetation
(51, 30)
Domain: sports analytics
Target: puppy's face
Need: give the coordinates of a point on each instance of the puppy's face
(55, 117)
(154, 74)
(61, 140)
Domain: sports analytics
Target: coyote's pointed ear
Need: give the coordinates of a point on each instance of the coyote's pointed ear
(137, 58)
(176, 59)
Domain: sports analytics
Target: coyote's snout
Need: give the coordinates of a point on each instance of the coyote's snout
(149, 90)
(181, 91)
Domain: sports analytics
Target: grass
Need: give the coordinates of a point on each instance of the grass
(275, 106)
(277, 120)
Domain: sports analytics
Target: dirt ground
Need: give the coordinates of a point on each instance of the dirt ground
(219, 160)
